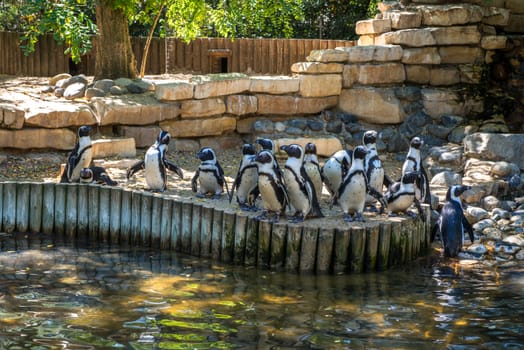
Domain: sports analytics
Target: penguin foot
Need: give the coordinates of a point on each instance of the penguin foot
(245, 207)
(262, 216)
(348, 218)
(296, 219)
(392, 214)
(412, 214)
(217, 196)
(372, 209)
(275, 218)
(359, 217)
(200, 195)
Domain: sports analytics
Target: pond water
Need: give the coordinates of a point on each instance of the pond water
(59, 295)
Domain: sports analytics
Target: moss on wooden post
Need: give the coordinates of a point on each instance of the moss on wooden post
(48, 209)
(308, 249)
(239, 249)
(384, 242)
(264, 243)
(341, 249)
(357, 249)
(35, 207)
(251, 243)
(372, 239)
(228, 235)
(206, 229)
(326, 239)
(196, 240)
(278, 245)
(22, 206)
(293, 240)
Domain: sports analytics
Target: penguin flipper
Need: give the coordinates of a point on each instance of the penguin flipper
(387, 181)
(194, 184)
(140, 165)
(419, 209)
(63, 177)
(434, 230)
(468, 228)
(173, 167)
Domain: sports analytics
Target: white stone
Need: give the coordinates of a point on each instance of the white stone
(382, 73)
(241, 104)
(214, 85)
(274, 84)
(122, 147)
(373, 53)
(494, 42)
(403, 19)
(409, 37)
(316, 68)
(327, 55)
(456, 35)
(422, 55)
(174, 91)
(60, 139)
(326, 146)
(448, 15)
(373, 26)
(381, 107)
(320, 85)
(202, 108)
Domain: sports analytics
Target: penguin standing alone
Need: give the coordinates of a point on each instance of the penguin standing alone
(300, 189)
(401, 195)
(80, 157)
(313, 168)
(155, 164)
(373, 165)
(352, 192)
(335, 169)
(413, 162)
(246, 181)
(452, 223)
(272, 190)
(209, 175)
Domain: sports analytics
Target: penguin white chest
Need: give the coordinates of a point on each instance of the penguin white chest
(154, 171)
(209, 182)
(84, 162)
(314, 175)
(401, 202)
(269, 195)
(299, 200)
(333, 174)
(353, 195)
(248, 182)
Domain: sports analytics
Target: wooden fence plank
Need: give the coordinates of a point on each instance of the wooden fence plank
(228, 235)
(264, 242)
(216, 234)
(341, 251)
(239, 249)
(48, 209)
(9, 212)
(71, 209)
(82, 221)
(293, 240)
(105, 213)
(251, 243)
(195, 230)
(357, 249)
(60, 207)
(93, 212)
(372, 239)
(165, 224)
(116, 214)
(185, 228)
(326, 239)
(308, 249)
(206, 230)
(23, 190)
(278, 246)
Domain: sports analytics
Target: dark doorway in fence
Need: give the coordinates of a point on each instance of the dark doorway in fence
(219, 60)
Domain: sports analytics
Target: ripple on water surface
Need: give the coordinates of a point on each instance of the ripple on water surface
(57, 295)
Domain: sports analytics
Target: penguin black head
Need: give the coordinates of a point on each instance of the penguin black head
(163, 138)
(416, 142)
(455, 191)
(410, 177)
(311, 148)
(293, 150)
(264, 157)
(360, 152)
(369, 137)
(86, 175)
(206, 154)
(267, 144)
(84, 130)
(248, 149)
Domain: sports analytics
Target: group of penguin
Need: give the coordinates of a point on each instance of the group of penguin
(354, 179)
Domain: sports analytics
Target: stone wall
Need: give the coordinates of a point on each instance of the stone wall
(414, 58)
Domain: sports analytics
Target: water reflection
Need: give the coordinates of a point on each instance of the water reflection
(60, 295)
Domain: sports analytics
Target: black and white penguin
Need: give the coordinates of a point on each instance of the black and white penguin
(209, 175)
(401, 195)
(413, 162)
(352, 192)
(373, 164)
(299, 187)
(246, 181)
(269, 145)
(155, 164)
(452, 224)
(272, 190)
(313, 168)
(80, 157)
(96, 174)
(335, 169)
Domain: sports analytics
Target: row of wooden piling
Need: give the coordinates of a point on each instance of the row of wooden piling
(118, 216)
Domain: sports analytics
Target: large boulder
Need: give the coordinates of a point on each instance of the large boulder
(496, 147)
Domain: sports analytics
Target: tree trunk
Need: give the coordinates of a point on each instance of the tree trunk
(114, 55)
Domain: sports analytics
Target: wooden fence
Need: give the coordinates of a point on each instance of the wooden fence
(201, 56)
(118, 216)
